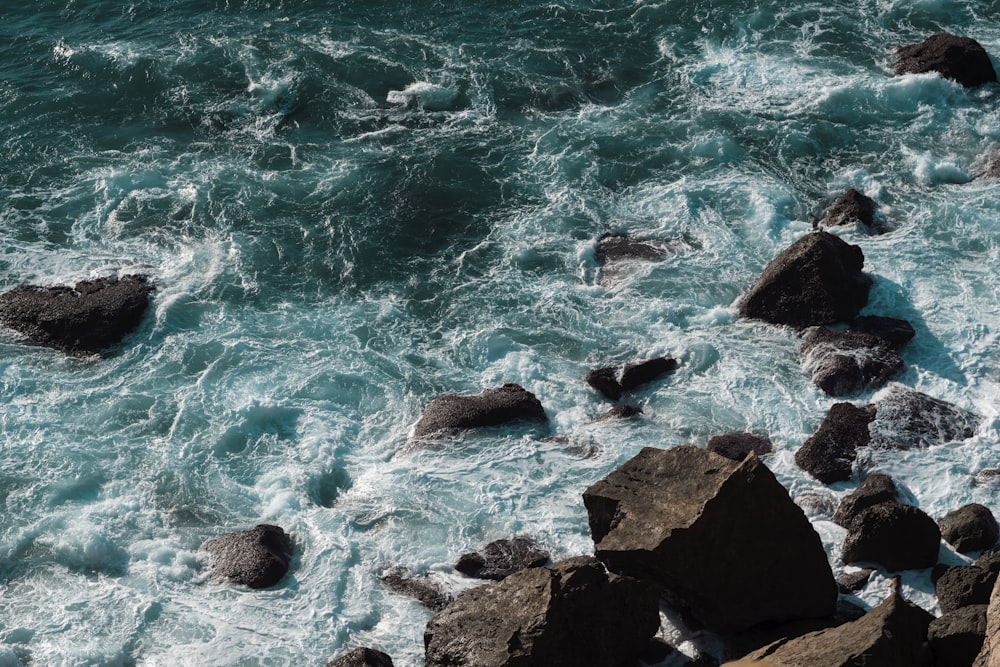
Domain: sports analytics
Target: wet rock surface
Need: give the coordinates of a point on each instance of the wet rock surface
(502, 558)
(829, 454)
(493, 407)
(960, 59)
(423, 589)
(257, 558)
(850, 208)
(845, 363)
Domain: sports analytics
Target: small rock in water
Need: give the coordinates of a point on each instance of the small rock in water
(626, 248)
(875, 490)
(605, 381)
(844, 363)
(502, 558)
(960, 59)
(362, 657)
(849, 208)
(737, 446)
(634, 375)
(620, 412)
(830, 453)
(423, 589)
(257, 558)
(907, 418)
(493, 407)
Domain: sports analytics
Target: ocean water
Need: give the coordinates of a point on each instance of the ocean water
(351, 208)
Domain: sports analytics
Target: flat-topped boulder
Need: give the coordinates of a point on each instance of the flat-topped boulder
(850, 208)
(569, 613)
(960, 59)
(502, 558)
(722, 537)
(816, 280)
(845, 363)
(88, 317)
(362, 657)
(493, 407)
(970, 528)
(257, 558)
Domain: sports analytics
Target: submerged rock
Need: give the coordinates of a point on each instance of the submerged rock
(816, 280)
(895, 536)
(893, 331)
(502, 558)
(738, 446)
(891, 634)
(492, 407)
(906, 418)
(830, 453)
(423, 589)
(570, 613)
(88, 317)
(362, 657)
(257, 558)
(960, 59)
(971, 527)
(844, 363)
(849, 208)
(611, 248)
(723, 538)
(620, 412)
(605, 381)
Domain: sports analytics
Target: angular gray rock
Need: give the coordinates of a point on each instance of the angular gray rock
(492, 407)
(738, 446)
(829, 454)
(957, 637)
(501, 558)
(257, 558)
(849, 208)
(362, 657)
(845, 363)
(971, 527)
(891, 634)
(960, 59)
(723, 538)
(896, 536)
(88, 317)
(566, 614)
(817, 280)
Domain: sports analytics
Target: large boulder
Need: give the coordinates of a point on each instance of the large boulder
(971, 527)
(492, 407)
(830, 453)
(566, 614)
(906, 418)
(738, 446)
(845, 363)
(257, 558)
(816, 280)
(874, 490)
(891, 634)
(989, 656)
(502, 558)
(895, 536)
(957, 637)
(88, 317)
(960, 59)
(723, 538)
(962, 585)
(362, 657)
(850, 208)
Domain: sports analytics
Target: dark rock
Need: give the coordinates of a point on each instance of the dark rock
(737, 446)
(722, 537)
(850, 207)
(656, 651)
(970, 528)
(816, 280)
(767, 633)
(960, 59)
(605, 381)
(989, 656)
(895, 332)
(893, 535)
(492, 407)
(852, 582)
(961, 585)
(989, 560)
(906, 418)
(626, 248)
(502, 558)
(844, 363)
(362, 657)
(257, 558)
(89, 317)
(830, 453)
(637, 374)
(620, 412)
(423, 589)
(569, 613)
(992, 168)
(891, 634)
(957, 637)
(875, 490)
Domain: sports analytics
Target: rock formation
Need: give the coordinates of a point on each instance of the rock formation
(492, 407)
(960, 59)
(257, 558)
(502, 558)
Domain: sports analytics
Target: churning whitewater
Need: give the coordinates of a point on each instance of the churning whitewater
(350, 209)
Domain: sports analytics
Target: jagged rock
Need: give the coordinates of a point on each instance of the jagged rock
(844, 363)
(891, 634)
(906, 418)
(960, 59)
(850, 207)
(605, 381)
(989, 656)
(989, 560)
(971, 527)
(876, 489)
(502, 558)
(895, 536)
(626, 248)
(830, 453)
(759, 636)
(257, 558)
(362, 657)
(637, 374)
(423, 589)
(961, 585)
(852, 582)
(570, 613)
(737, 446)
(816, 280)
(88, 317)
(895, 332)
(722, 537)
(620, 412)
(957, 637)
(492, 407)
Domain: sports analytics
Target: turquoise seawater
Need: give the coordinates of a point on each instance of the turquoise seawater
(351, 208)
